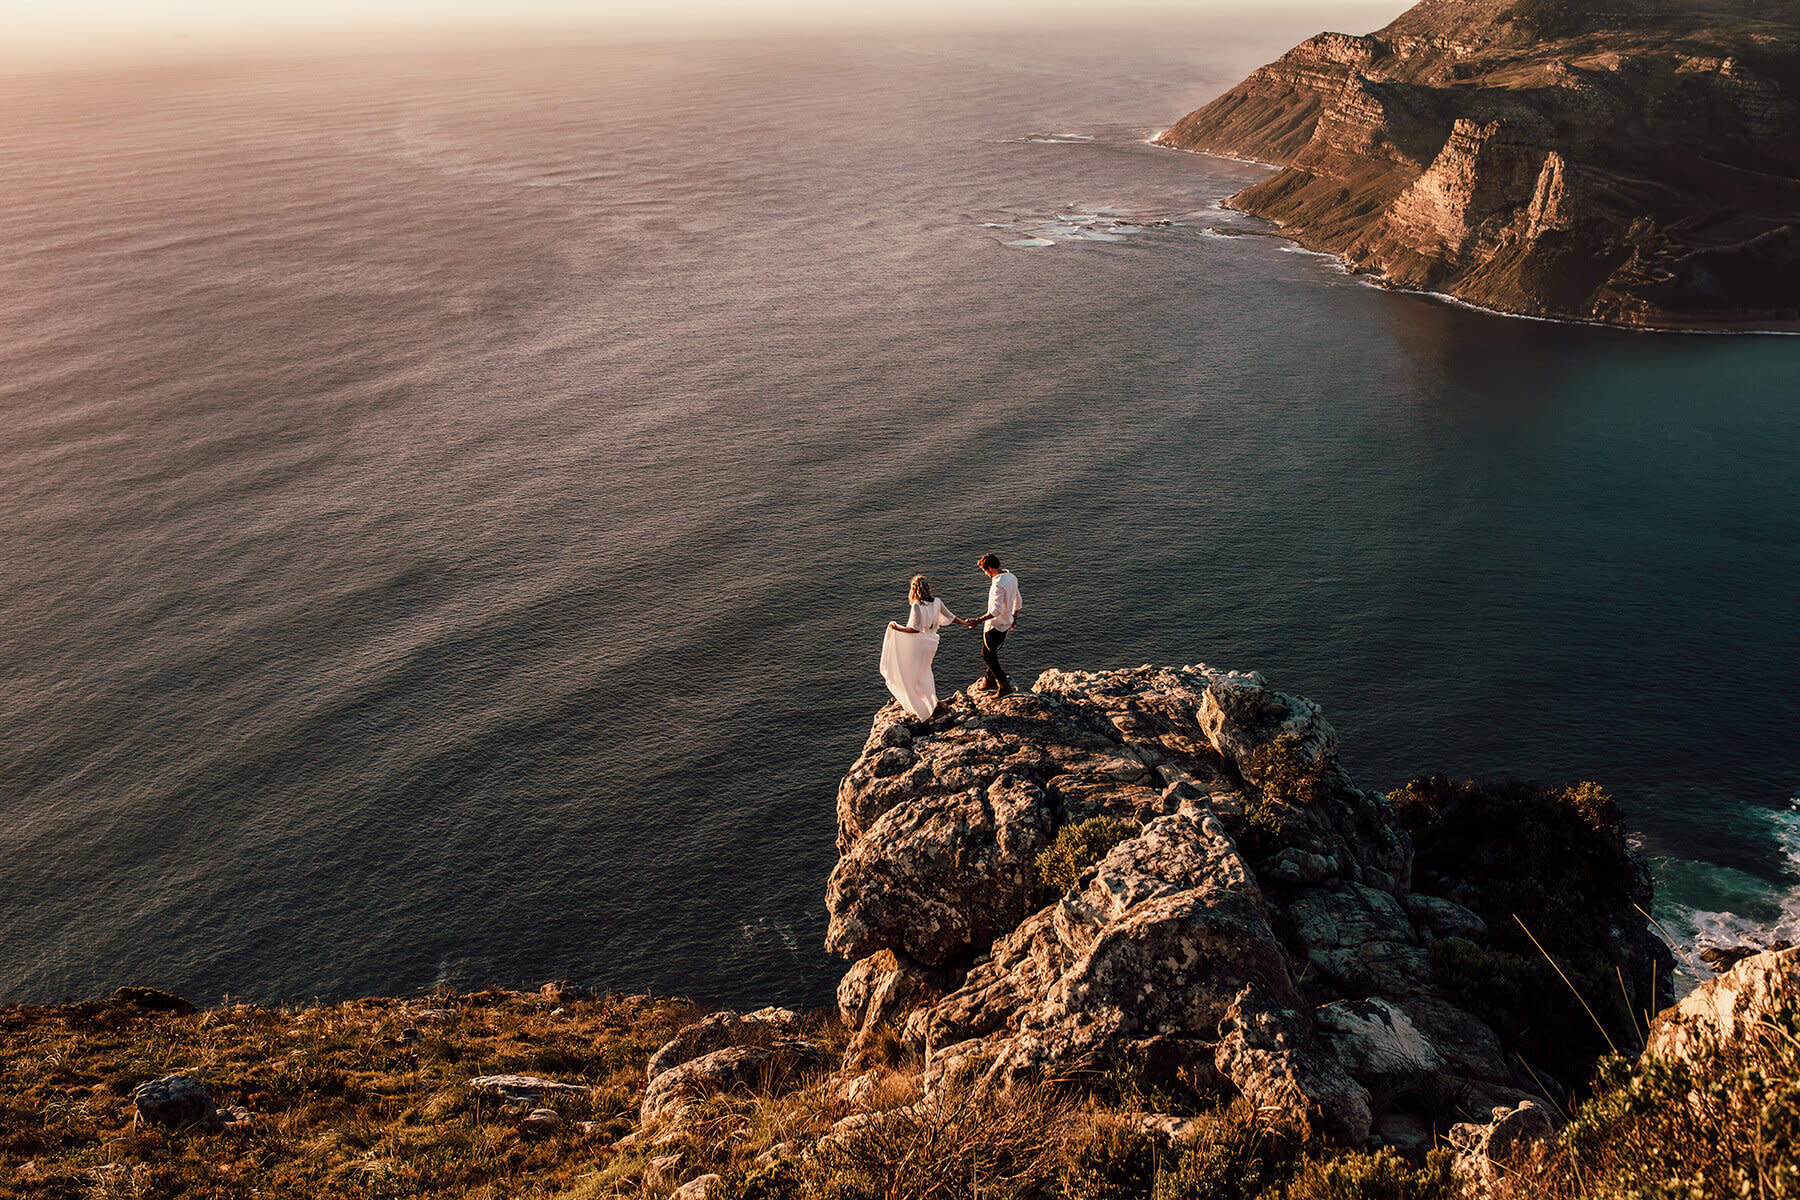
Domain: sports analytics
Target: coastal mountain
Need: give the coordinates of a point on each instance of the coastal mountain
(1165, 873)
(1635, 162)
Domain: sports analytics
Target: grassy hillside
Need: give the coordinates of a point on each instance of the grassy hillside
(371, 1099)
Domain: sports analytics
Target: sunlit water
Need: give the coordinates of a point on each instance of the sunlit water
(449, 505)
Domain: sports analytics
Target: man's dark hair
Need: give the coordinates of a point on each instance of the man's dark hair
(988, 561)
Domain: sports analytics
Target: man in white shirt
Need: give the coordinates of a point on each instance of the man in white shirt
(1002, 616)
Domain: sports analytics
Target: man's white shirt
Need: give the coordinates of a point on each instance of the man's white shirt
(1003, 601)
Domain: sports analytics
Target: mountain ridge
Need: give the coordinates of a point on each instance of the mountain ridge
(1631, 162)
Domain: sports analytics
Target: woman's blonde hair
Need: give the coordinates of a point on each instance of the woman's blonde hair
(920, 592)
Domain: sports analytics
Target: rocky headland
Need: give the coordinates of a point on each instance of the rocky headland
(1251, 924)
(1132, 933)
(1634, 162)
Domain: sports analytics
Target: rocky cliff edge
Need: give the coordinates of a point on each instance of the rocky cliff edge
(1254, 930)
(1625, 161)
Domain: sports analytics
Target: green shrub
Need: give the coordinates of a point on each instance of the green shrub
(1383, 1175)
(1725, 1123)
(1232, 1152)
(1284, 770)
(1551, 861)
(1078, 847)
(1268, 827)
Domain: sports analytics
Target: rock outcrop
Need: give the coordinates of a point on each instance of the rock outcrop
(1728, 1007)
(724, 1052)
(177, 1102)
(1255, 932)
(1626, 161)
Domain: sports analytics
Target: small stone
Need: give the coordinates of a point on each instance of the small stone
(698, 1188)
(1163, 1125)
(857, 1091)
(177, 1102)
(540, 1122)
(776, 1153)
(660, 1168)
(528, 1087)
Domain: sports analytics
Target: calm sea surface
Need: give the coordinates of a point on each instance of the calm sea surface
(449, 504)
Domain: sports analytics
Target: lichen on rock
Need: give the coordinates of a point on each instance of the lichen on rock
(1255, 932)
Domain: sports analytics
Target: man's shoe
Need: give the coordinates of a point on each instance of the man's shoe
(1007, 690)
(980, 685)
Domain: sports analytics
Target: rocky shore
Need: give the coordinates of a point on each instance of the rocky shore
(1624, 162)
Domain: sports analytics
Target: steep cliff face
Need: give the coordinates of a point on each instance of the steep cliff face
(1628, 161)
(1253, 929)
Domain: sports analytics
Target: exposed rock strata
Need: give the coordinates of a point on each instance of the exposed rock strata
(1629, 162)
(1259, 933)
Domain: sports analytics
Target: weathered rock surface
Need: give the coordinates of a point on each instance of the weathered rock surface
(177, 1102)
(1726, 1007)
(728, 1069)
(1257, 935)
(717, 1031)
(1629, 163)
(1270, 1055)
(1482, 1150)
(540, 1122)
(697, 1188)
(525, 1087)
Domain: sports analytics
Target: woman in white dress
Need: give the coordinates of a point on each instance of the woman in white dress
(907, 650)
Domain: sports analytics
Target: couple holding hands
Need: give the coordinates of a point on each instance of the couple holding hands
(907, 650)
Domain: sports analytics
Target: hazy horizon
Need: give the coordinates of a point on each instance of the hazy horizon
(43, 33)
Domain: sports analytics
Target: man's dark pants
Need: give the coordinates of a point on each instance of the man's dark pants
(990, 654)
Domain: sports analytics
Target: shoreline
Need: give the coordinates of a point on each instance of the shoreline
(1722, 327)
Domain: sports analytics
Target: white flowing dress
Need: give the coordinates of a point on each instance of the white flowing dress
(906, 658)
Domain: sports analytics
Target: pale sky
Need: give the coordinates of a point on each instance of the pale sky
(54, 27)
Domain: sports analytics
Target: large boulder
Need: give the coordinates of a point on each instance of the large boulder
(177, 1102)
(1166, 931)
(731, 1069)
(1270, 1055)
(1484, 1149)
(937, 874)
(719, 1030)
(1726, 1007)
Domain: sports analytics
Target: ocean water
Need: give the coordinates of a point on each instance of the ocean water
(450, 502)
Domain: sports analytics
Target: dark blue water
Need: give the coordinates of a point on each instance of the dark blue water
(449, 504)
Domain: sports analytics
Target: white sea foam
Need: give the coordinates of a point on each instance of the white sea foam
(1458, 302)
(1731, 907)
(1099, 225)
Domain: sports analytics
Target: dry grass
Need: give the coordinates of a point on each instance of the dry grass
(1724, 1125)
(347, 1100)
(370, 1099)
